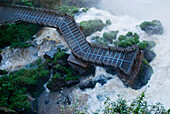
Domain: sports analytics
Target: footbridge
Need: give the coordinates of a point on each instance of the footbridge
(127, 61)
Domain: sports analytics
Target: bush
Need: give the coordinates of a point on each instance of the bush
(122, 37)
(145, 61)
(68, 9)
(129, 34)
(91, 26)
(109, 36)
(128, 40)
(15, 87)
(16, 35)
(142, 45)
(138, 106)
(108, 22)
(85, 9)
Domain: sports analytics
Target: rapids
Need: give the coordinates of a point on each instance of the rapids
(126, 18)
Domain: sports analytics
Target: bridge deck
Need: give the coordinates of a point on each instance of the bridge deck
(116, 57)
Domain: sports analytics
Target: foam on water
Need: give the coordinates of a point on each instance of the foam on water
(157, 89)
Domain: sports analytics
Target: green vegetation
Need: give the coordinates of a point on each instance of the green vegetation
(138, 106)
(142, 45)
(91, 26)
(15, 87)
(153, 27)
(17, 35)
(150, 44)
(109, 36)
(68, 9)
(121, 106)
(85, 9)
(128, 40)
(122, 37)
(129, 34)
(80, 3)
(148, 23)
(108, 22)
(145, 61)
(62, 71)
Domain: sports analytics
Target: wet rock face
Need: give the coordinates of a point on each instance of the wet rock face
(51, 53)
(149, 55)
(59, 83)
(92, 83)
(143, 77)
(153, 27)
(86, 85)
(102, 79)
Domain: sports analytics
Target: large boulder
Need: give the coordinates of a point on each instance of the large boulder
(56, 84)
(89, 84)
(91, 26)
(51, 53)
(143, 77)
(110, 36)
(150, 44)
(70, 83)
(101, 79)
(92, 83)
(149, 55)
(153, 27)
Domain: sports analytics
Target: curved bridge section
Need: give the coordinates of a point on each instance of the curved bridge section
(127, 61)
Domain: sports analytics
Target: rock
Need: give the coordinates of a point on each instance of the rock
(153, 27)
(108, 22)
(100, 97)
(111, 71)
(149, 55)
(56, 84)
(101, 79)
(51, 53)
(62, 47)
(90, 84)
(67, 100)
(47, 102)
(150, 44)
(109, 36)
(70, 83)
(91, 26)
(143, 77)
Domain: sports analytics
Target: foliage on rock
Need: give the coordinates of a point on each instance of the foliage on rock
(109, 36)
(128, 40)
(108, 22)
(17, 35)
(62, 71)
(68, 9)
(91, 26)
(152, 27)
(15, 87)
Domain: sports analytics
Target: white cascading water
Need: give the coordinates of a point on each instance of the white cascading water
(125, 16)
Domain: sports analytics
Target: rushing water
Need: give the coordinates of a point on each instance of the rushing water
(125, 18)
(15, 59)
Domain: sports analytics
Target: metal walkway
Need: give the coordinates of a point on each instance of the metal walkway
(123, 59)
